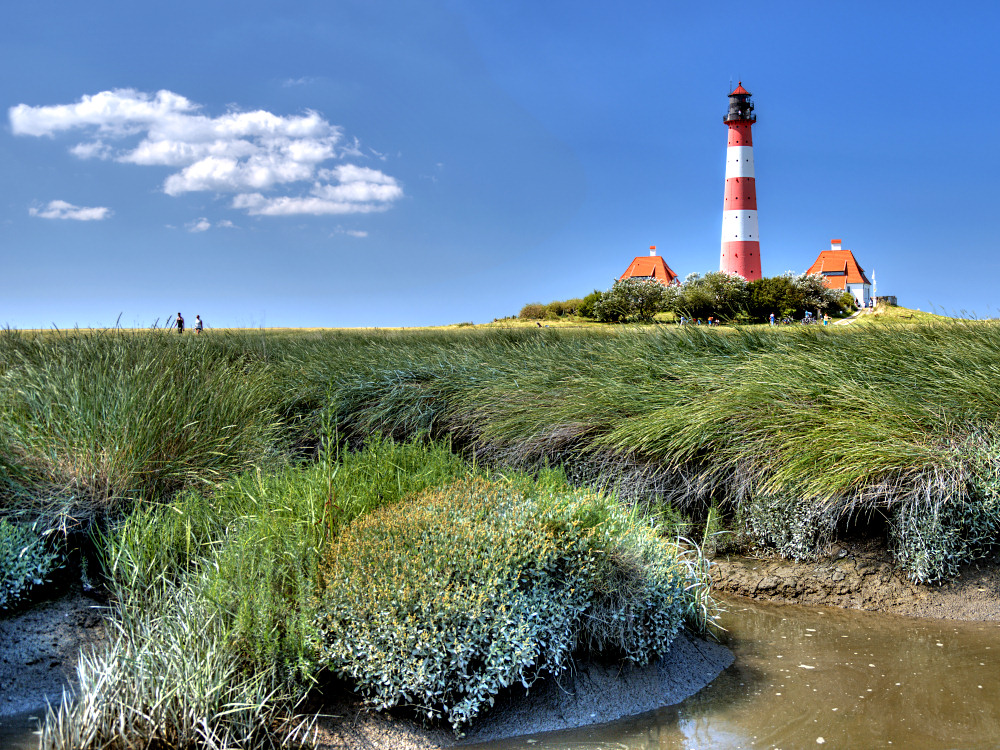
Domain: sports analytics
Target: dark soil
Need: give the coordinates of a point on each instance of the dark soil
(592, 693)
(861, 576)
(39, 647)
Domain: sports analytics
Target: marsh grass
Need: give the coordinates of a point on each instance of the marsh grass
(895, 420)
(90, 422)
(887, 420)
(171, 679)
(219, 626)
(214, 603)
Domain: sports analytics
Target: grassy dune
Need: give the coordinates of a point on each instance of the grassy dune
(813, 425)
(209, 471)
(209, 468)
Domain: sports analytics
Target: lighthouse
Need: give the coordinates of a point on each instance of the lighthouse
(740, 241)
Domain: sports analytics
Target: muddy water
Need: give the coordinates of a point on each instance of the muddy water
(17, 732)
(819, 677)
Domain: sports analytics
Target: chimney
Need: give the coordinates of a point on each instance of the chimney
(652, 250)
(835, 244)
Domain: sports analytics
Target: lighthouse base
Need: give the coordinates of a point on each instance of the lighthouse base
(741, 259)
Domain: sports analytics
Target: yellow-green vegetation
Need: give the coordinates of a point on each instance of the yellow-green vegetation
(223, 621)
(473, 587)
(219, 472)
(888, 314)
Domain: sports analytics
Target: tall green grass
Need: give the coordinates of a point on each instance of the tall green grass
(895, 421)
(91, 420)
(898, 421)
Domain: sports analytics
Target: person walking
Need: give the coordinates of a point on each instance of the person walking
(772, 318)
(180, 323)
(198, 325)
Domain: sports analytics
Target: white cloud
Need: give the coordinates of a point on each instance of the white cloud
(245, 153)
(64, 210)
(256, 204)
(345, 189)
(203, 225)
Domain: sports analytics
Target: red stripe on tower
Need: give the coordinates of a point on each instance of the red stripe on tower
(740, 241)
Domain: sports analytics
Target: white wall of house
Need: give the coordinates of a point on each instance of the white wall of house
(862, 293)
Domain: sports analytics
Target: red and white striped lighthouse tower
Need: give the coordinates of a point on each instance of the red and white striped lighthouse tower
(740, 241)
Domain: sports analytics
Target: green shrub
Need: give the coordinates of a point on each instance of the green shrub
(587, 304)
(633, 300)
(533, 311)
(789, 526)
(933, 541)
(25, 561)
(442, 602)
(555, 309)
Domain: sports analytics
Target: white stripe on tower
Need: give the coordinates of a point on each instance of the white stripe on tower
(740, 238)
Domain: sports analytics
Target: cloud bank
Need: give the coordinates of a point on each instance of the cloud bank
(273, 165)
(64, 210)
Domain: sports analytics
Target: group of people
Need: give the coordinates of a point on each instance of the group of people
(712, 321)
(199, 326)
(809, 318)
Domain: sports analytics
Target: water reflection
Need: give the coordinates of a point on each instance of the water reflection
(18, 731)
(806, 677)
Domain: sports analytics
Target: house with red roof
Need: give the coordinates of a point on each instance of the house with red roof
(650, 267)
(841, 270)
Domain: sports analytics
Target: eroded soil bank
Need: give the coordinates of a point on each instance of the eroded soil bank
(861, 576)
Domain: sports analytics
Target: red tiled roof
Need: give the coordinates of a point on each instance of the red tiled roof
(650, 266)
(842, 263)
(739, 90)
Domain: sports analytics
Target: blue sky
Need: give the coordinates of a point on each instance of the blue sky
(419, 163)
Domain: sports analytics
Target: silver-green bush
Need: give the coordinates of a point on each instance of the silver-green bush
(442, 602)
(786, 525)
(26, 561)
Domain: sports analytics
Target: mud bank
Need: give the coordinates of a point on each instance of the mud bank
(591, 694)
(861, 577)
(39, 649)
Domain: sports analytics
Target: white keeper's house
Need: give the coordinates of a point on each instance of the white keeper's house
(841, 270)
